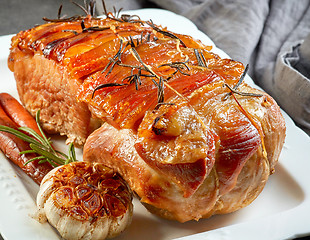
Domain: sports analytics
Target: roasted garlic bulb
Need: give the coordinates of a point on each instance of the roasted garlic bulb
(85, 201)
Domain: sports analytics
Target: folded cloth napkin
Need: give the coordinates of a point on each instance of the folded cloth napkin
(271, 35)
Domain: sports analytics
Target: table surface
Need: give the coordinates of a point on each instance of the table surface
(17, 15)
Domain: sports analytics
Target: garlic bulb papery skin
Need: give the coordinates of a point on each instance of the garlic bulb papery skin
(85, 201)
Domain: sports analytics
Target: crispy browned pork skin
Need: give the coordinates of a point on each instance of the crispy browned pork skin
(188, 136)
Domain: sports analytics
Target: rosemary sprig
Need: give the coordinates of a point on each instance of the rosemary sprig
(166, 33)
(134, 78)
(41, 145)
(242, 77)
(160, 90)
(70, 30)
(105, 85)
(116, 12)
(59, 12)
(95, 28)
(142, 71)
(234, 89)
(200, 58)
(179, 66)
(116, 58)
(130, 18)
(88, 8)
(124, 17)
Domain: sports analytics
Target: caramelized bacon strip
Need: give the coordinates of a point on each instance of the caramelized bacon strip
(239, 141)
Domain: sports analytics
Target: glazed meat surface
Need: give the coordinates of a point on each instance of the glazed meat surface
(189, 137)
(208, 169)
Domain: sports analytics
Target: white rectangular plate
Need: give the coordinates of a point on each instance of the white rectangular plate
(281, 211)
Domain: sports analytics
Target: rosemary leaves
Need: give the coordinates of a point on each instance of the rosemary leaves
(41, 145)
(234, 89)
(200, 58)
(166, 33)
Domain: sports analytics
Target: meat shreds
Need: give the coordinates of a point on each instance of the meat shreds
(181, 127)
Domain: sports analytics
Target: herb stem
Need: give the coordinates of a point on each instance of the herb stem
(41, 145)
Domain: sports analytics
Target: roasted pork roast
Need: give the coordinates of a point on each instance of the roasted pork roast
(177, 122)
